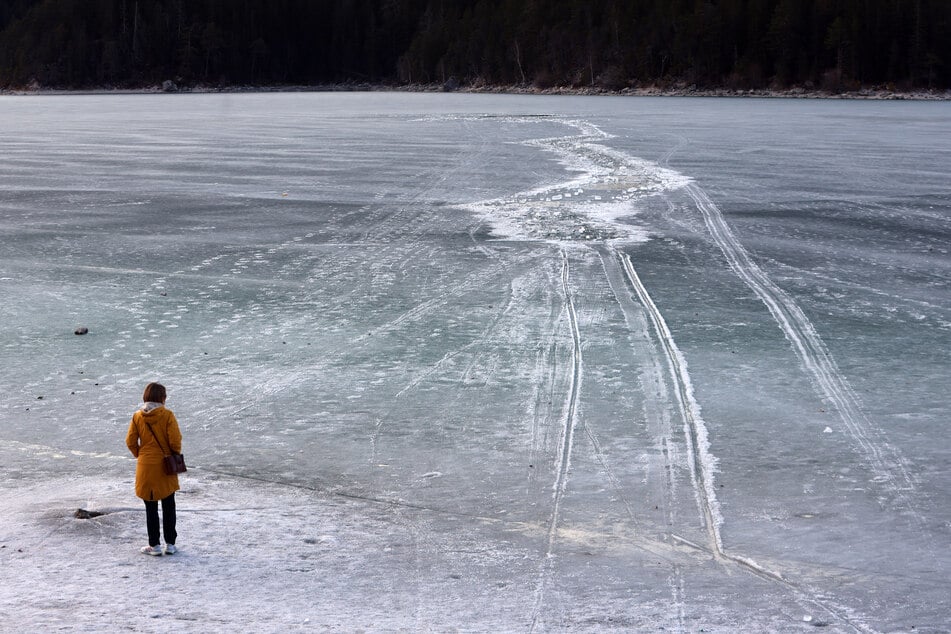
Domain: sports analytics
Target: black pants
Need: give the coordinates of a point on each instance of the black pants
(168, 520)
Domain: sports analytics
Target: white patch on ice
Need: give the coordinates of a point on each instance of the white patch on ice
(604, 191)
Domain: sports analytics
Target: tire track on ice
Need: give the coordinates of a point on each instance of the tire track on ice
(702, 463)
(604, 170)
(885, 460)
(541, 410)
(571, 406)
(569, 430)
(657, 416)
(567, 441)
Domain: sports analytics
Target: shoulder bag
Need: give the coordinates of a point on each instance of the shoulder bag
(174, 463)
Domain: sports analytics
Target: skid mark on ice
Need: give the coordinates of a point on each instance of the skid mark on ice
(809, 601)
(657, 414)
(541, 409)
(426, 307)
(701, 461)
(542, 399)
(891, 302)
(566, 444)
(702, 465)
(410, 218)
(569, 428)
(532, 215)
(657, 408)
(479, 341)
(269, 388)
(571, 405)
(887, 464)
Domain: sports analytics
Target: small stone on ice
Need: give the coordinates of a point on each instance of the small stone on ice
(82, 330)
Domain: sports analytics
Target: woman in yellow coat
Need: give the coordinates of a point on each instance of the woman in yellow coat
(153, 433)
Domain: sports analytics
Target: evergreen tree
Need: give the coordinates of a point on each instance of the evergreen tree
(608, 43)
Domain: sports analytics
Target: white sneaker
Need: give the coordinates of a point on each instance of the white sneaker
(155, 551)
(170, 549)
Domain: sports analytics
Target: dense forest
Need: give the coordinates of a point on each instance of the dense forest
(610, 44)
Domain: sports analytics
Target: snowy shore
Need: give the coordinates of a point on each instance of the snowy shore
(272, 558)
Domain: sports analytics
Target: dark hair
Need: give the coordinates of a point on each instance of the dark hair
(154, 393)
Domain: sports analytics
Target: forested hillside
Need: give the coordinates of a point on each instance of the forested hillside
(612, 44)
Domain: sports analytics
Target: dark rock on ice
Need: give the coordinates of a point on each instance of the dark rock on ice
(83, 514)
(82, 330)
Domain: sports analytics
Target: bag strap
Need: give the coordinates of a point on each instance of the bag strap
(149, 425)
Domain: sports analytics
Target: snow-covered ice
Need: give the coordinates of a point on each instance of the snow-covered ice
(479, 362)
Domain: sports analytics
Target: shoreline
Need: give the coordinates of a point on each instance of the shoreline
(865, 94)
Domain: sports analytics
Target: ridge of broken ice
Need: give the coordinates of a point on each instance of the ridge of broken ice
(594, 205)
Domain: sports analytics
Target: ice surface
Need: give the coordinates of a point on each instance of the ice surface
(479, 363)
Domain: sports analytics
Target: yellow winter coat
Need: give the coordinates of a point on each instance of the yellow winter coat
(151, 483)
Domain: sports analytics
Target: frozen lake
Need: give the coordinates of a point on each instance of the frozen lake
(480, 363)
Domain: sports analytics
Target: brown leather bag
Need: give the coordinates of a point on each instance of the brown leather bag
(174, 463)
